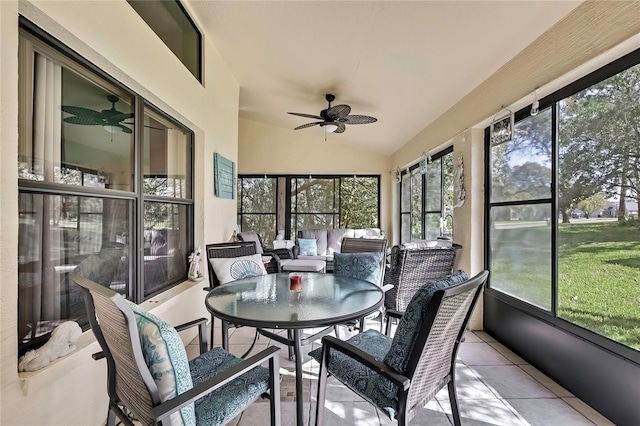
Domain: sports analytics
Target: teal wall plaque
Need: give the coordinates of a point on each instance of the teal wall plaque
(224, 171)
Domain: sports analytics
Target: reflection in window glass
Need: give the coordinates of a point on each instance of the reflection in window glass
(598, 178)
(169, 20)
(167, 157)
(81, 132)
(58, 235)
(521, 167)
(165, 244)
(521, 252)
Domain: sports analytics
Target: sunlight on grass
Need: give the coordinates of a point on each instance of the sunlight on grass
(598, 274)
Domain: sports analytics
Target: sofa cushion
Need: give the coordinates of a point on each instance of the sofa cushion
(320, 235)
(334, 239)
(308, 246)
(251, 236)
(229, 269)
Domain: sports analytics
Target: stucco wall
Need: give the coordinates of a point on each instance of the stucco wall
(110, 34)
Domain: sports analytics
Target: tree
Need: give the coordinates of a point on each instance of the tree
(593, 203)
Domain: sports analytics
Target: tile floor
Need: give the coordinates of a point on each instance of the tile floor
(495, 387)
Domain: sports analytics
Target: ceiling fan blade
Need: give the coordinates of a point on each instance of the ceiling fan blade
(80, 111)
(308, 125)
(299, 114)
(339, 111)
(358, 119)
(341, 127)
(85, 121)
(120, 117)
(124, 128)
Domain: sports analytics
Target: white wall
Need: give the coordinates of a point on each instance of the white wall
(263, 148)
(110, 34)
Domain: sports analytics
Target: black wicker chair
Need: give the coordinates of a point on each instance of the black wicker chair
(227, 250)
(214, 387)
(409, 270)
(277, 255)
(400, 375)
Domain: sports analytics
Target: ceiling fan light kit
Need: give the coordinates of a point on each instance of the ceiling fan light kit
(334, 118)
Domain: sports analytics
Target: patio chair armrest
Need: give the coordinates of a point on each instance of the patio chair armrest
(188, 325)
(281, 253)
(393, 313)
(162, 411)
(367, 360)
(98, 355)
(202, 331)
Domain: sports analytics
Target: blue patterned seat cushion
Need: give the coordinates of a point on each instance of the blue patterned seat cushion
(413, 319)
(223, 404)
(364, 266)
(364, 381)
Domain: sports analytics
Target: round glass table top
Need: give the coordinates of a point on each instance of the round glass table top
(266, 301)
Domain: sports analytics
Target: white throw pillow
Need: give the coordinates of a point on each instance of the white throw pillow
(229, 269)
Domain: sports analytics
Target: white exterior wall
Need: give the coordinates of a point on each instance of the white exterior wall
(72, 390)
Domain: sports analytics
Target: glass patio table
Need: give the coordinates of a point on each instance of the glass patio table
(267, 302)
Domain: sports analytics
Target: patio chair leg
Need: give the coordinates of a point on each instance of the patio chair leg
(274, 390)
(454, 403)
(111, 418)
(388, 329)
(211, 334)
(336, 330)
(361, 325)
(322, 386)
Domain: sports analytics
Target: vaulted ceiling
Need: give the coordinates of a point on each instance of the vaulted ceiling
(405, 63)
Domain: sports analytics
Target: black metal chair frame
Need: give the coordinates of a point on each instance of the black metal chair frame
(227, 250)
(426, 351)
(128, 376)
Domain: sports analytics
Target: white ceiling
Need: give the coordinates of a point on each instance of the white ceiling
(405, 63)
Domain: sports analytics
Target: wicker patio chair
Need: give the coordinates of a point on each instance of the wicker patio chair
(400, 375)
(278, 256)
(409, 270)
(149, 378)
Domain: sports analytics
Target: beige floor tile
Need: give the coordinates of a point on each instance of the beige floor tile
(484, 336)
(588, 412)
(484, 412)
(509, 381)
(480, 354)
(558, 390)
(547, 411)
(507, 353)
(468, 386)
(472, 337)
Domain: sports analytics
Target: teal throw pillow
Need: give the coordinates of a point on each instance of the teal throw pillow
(167, 361)
(308, 246)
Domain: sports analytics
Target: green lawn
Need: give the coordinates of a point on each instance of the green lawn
(598, 274)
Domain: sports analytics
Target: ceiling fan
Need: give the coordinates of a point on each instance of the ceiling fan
(110, 119)
(334, 118)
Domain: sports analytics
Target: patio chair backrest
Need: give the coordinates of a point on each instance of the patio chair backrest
(432, 359)
(367, 245)
(411, 268)
(227, 250)
(114, 325)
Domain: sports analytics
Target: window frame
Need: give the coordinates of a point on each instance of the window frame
(283, 198)
(439, 156)
(551, 317)
(51, 46)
